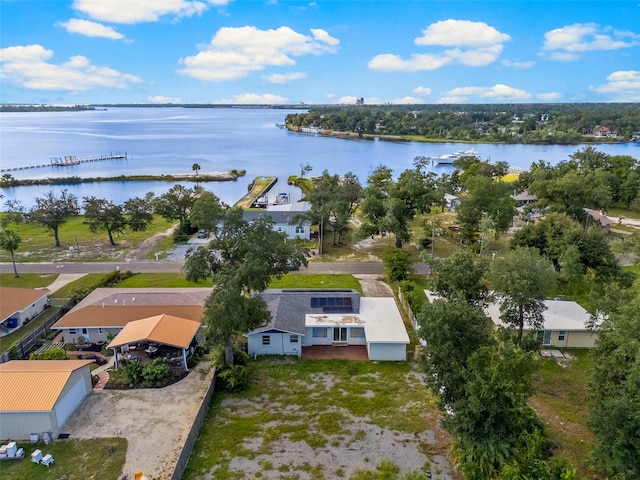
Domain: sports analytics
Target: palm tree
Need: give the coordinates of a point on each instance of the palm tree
(196, 168)
(10, 241)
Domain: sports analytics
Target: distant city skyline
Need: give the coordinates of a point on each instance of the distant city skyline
(318, 52)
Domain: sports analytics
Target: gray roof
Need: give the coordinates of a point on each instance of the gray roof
(279, 217)
(289, 306)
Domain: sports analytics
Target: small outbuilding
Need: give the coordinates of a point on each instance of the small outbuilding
(38, 396)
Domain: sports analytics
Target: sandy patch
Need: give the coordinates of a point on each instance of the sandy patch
(155, 422)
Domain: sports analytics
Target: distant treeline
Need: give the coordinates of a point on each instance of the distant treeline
(566, 123)
(44, 108)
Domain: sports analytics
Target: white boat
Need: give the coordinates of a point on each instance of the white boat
(449, 158)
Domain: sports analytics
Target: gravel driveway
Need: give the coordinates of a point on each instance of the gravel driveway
(155, 422)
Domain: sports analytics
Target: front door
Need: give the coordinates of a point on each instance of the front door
(546, 339)
(340, 334)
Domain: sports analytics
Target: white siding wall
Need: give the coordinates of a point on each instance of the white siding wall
(309, 339)
(290, 230)
(20, 425)
(387, 351)
(93, 335)
(32, 311)
(279, 344)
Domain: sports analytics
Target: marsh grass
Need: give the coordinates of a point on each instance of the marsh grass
(311, 402)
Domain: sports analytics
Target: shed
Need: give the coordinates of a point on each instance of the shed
(20, 305)
(38, 396)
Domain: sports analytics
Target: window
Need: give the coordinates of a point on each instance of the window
(320, 332)
(293, 338)
(266, 340)
(299, 229)
(100, 330)
(561, 335)
(85, 331)
(279, 229)
(356, 332)
(72, 331)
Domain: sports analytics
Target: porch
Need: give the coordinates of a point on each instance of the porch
(322, 352)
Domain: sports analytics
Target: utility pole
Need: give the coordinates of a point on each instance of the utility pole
(433, 235)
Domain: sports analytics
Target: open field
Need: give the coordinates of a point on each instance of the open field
(322, 420)
(562, 401)
(78, 243)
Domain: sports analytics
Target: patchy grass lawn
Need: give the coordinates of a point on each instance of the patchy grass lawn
(162, 280)
(302, 280)
(99, 459)
(38, 244)
(308, 419)
(562, 401)
(89, 281)
(27, 280)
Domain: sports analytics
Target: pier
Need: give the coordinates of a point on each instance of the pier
(68, 161)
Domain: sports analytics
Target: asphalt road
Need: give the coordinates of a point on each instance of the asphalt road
(176, 266)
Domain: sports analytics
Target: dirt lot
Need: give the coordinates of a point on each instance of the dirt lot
(155, 422)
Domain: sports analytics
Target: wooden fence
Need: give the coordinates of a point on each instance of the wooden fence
(26, 343)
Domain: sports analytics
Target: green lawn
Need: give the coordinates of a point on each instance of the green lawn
(562, 401)
(95, 459)
(301, 280)
(27, 280)
(161, 280)
(324, 405)
(89, 281)
(38, 244)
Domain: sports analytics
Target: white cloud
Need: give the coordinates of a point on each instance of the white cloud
(461, 33)
(284, 77)
(421, 90)
(518, 65)
(475, 44)
(90, 29)
(236, 52)
(568, 42)
(621, 86)
(26, 66)
(253, 99)
(408, 100)
(331, 95)
(498, 92)
(550, 96)
(163, 99)
(135, 11)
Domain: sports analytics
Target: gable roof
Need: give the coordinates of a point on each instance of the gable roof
(559, 315)
(18, 299)
(166, 329)
(279, 217)
(34, 385)
(115, 307)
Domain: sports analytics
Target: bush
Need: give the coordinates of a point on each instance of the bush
(234, 378)
(397, 264)
(51, 354)
(156, 373)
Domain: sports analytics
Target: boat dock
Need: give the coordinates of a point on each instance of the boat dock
(68, 161)
(258, 189)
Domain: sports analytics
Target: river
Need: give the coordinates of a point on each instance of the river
(170, 140)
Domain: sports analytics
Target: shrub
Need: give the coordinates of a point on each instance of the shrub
(397, 264)
(234, 378)
(51, 354)
(156, 373)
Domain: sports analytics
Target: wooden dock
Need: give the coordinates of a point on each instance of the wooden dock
(68, 161)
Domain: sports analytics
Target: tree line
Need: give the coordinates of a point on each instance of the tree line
(504, 123)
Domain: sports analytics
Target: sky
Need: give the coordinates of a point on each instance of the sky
(318, 52)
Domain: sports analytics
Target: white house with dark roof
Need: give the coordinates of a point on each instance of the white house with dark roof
(282, 216)
(307, 317)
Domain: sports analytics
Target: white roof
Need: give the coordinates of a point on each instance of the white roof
(559, 315)
(290, 207)
(379, 316)
(432, 296)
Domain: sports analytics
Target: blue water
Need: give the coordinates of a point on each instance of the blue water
(170, 140)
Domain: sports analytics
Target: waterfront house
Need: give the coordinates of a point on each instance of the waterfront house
(287, 219)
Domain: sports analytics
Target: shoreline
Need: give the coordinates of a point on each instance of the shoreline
(231, 176)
